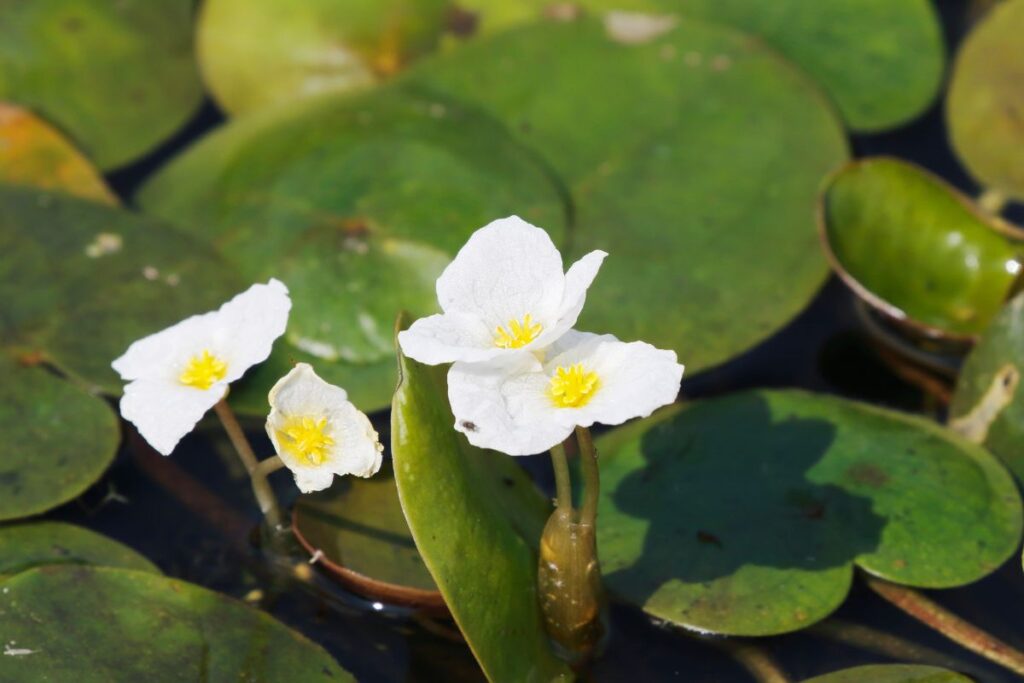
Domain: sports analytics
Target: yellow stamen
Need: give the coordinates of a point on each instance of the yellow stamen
(519, 334)
(573, 387)
(203, 371)
(304, 438)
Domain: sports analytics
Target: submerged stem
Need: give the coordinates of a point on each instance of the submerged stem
(992, 201)
(591, 476)
(958, 630)
(754, 659)
(257, 471)
(563, 486)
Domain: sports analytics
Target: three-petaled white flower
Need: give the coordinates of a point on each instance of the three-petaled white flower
(318, 433)
(176, 375)
(527, 405)
(504, 293)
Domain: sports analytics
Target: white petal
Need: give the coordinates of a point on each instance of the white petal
(303, 392)
(163, 354)
(577, 280)
(635, 378)
(312, 479)
(357, 450)
(504, 406)
(446, 338)
(164, 411)
(507, 269)
(248, 325)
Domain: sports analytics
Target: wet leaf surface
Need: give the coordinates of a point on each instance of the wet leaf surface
(455, 506)
(34, 153)
(985, 105)
(915, 248)
(746, 515)
(101, 624)
(259, 53)
(703, 195)
(119, 77)
(891, 673)
(24, 546)
(357, 204)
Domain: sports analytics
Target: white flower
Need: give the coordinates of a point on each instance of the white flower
(525, 405)
(177, 374)
(318, 433)
(504, 293)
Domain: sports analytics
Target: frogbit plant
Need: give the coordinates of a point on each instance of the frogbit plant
(176, 375)
(522, 381)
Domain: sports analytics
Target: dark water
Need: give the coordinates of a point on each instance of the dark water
(193, 514)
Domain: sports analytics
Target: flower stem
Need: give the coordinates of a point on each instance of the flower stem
(257, 471)
(958, 630)
(563, 486)
(591, 476)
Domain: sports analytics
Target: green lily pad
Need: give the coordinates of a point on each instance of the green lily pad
(98, 624)
(117, 76)
(985, 106)
(455, 507)
(83, 281)
(916, 249)
(24, 546)
(699, 178)
(891, 673)
(880, 61)
(58, 440)
(359, 528)
(746, 515)
(357, 204)
(1001, 345)
(257, 53)
(32, 152)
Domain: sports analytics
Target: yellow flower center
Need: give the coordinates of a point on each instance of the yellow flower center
(203, 371)
(304, 438)
(519, 333)
(573, 387)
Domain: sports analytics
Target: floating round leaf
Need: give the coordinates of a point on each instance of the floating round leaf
(117, 76)
(359, 528)
(830, 483)
(98, 624)
(999, 351)
(58, 439)
(256, 53)
(24, 546)
(34, 153)
(985, 108)
(891, 673)
(82, 281)
(698, 176)
(477, 533)
(915, 249)
(357, 204)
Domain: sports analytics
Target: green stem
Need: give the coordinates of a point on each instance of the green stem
(591, 476)
(257, 471)
(563, 486)
(940, 619)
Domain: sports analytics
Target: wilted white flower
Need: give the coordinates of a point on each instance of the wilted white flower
(177, 374)
(504, 292)
(318, 433)
(524, 405)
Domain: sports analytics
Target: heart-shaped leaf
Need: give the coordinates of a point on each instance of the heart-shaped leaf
(257, 53)
(985, 107)
(98, 624)
(746, 515)
(880, 61)
(1000, 348)
(357, 204)
(891, 673)
(117, 76)
(477, 533)
(32, 152)
(24, 546)
(697, 176)
(916, 249)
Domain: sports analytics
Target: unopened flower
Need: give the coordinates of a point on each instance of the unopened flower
(504, 292)
(318, 433)
(525, 405)
(177, 374)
